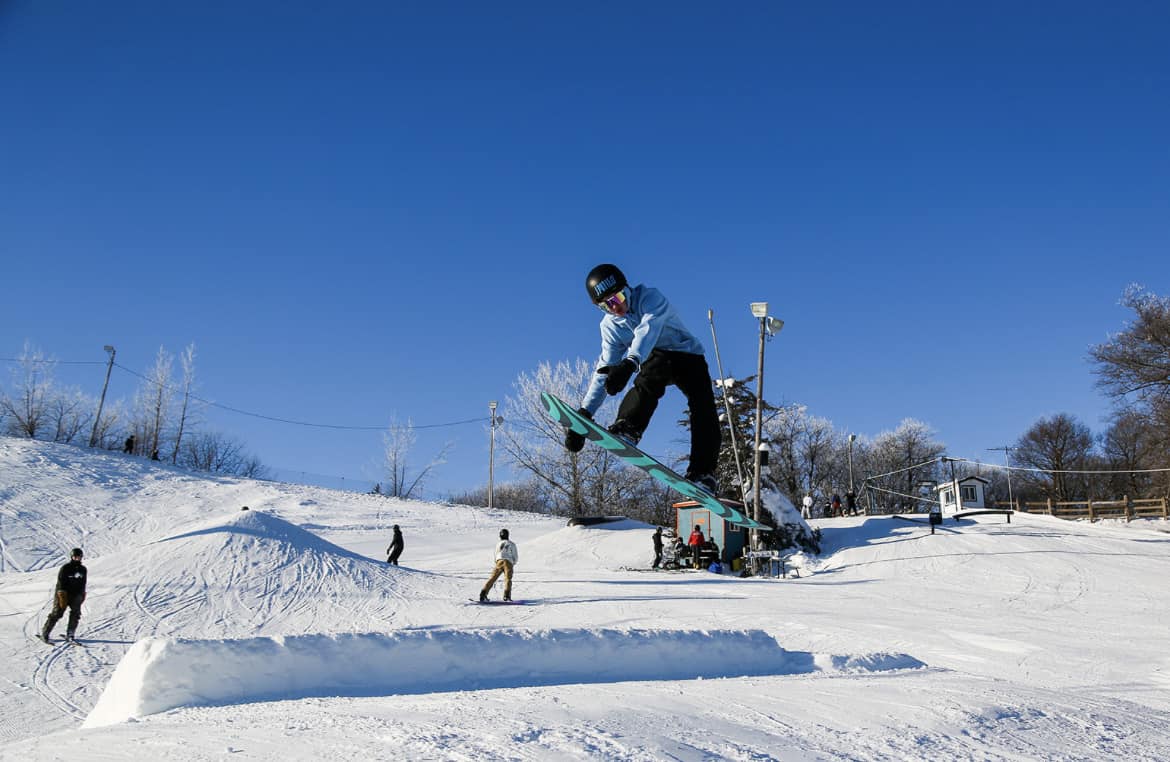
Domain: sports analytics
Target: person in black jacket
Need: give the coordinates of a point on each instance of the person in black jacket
(657, 537)
(395, 549)
(70, 594)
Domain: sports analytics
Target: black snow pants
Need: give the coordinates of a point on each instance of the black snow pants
(61, 601)
(690, 374)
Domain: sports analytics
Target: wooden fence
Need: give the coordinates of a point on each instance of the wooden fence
(1125, 508)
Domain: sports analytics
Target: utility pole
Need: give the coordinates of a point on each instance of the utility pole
(1007, 464)
(102, 400)
(492, 454)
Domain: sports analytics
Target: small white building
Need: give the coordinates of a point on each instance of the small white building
(970, 492)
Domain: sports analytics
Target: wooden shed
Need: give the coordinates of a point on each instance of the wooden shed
(731, 538)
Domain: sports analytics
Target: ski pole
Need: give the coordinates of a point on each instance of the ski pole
(727, 407)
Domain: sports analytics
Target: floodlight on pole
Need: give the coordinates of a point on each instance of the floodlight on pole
(769, 326)
(102, 400)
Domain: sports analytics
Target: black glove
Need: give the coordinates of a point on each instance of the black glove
(619, 375)
(574, 441)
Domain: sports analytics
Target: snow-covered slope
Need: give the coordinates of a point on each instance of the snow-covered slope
(1034, 639)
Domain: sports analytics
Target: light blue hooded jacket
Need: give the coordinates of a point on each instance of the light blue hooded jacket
(650, 323)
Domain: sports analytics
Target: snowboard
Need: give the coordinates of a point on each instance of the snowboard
(498, 603)
(567, 416)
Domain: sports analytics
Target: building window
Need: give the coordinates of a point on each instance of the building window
(948, 497)
(968, 494)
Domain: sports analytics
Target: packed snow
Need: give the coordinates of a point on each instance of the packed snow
(281, 632)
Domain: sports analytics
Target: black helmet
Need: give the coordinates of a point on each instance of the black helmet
(75, 553)
(503, 534)
(603, 281)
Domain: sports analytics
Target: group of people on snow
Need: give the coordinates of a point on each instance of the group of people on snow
(699, 552)
(69, 593)
(832, 508)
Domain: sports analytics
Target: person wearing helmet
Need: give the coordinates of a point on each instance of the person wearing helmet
(506, 558)
(641, 333)
(69, 594)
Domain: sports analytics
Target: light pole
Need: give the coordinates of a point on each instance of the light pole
(769, 326)
(102, 399)
(492, 453)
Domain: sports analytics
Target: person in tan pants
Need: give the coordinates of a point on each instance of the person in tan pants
(506, 558)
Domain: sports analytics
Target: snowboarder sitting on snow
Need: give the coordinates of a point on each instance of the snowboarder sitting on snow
(642, 333)
(69, 594)
(506, 558)
(395, 549)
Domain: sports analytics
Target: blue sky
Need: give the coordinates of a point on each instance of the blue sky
(360, 211)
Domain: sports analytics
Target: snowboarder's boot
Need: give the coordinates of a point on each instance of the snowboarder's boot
(508, 597)
(483, 597)
(69, 636)
(45, 636)
(706, 481)
(625, 432)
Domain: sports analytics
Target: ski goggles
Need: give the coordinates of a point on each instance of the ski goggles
(613, 303)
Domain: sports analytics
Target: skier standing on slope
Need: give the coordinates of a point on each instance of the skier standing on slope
(642, 333)
(506, 558)
(395, 549)
(69, 594)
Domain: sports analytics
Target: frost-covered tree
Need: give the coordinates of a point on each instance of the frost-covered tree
(187, 359)
(111, 426)
(401, 480)
(220, 454)
(900, 462)
(32, 380)
(152, 404)
(591, 481)
(68, 413)
(1135, 363)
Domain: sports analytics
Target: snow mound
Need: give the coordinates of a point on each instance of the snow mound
(258, 529)
(253, 573)
(159, 674)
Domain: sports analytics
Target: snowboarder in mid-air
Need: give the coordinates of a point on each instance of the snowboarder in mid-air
(642, 334)
(506, 558)
(69, 594)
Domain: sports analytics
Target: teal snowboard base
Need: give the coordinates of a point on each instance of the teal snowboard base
(559, 411)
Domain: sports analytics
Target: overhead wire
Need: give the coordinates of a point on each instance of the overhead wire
(277, 419)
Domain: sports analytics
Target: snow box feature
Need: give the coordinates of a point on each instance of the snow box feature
(158, 674)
